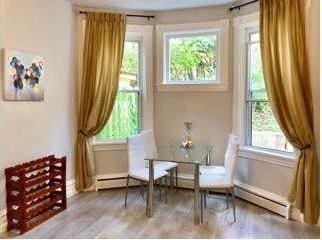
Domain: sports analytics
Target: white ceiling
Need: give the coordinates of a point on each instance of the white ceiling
(149, 5)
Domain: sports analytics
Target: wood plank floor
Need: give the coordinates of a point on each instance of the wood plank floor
(102, 215)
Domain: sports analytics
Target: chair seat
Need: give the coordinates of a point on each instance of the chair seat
(143, 174)
(165, 165)
(212, 170)
(214, 181)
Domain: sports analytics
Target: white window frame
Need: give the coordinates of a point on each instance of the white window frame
(144, 35)
(166, 65)
(163, 32)
(242, 25)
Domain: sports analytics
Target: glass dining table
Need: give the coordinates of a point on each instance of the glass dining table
(197, 155)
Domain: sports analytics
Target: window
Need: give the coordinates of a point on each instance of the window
(192, 58)
(262, 129)
(125, 119)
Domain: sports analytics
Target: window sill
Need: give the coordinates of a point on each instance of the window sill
(193, 87)
(109, 146)
(285, 160)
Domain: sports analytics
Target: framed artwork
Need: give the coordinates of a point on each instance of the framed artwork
(23, 76)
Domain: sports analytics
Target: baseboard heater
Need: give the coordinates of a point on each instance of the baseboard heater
(268, 201)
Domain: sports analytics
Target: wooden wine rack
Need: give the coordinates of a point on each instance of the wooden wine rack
(36, 191)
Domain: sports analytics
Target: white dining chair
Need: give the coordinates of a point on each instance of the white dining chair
(224, 181)
(211, 169)
(137, 166)
(150, 147)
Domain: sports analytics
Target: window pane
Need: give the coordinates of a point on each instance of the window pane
(254, 37)
(192, 58)
(129, 78)
(125, 120)
(266, 132)
(262, 128)
(257, 90)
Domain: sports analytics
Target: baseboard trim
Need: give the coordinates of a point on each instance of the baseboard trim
(3, 221)
(298, 216)
(118, 180)
(113, 180)
(70, 188)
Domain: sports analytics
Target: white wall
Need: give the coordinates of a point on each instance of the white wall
(29, 130)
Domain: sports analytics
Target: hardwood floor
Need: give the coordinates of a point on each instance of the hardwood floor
(102, 215)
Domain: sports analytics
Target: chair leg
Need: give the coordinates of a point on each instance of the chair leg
(176, 170)
(126, 191)
(227, 200)
(171, 178)
(166, 189)
(147, 201)
(233, 198)
(142, 189)
(205, 198)
(202, 197)
(160, 188)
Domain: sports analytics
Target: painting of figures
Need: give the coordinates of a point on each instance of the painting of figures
(23, 76)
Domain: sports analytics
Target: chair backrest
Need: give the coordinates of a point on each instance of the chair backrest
(149, 141)
(231, 158)
(135, 152)
(231, 137)
(149, 144)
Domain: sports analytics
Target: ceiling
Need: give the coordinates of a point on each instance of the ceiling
(149, 5)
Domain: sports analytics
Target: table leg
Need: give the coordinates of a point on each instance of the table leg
(151, 180)
(208, 158)
(171, 178)
(196, 196)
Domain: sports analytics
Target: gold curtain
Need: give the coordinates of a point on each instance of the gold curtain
(288, 86)
(102, 60)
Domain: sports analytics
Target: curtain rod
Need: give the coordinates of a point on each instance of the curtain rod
(242, 5)
(129, 15)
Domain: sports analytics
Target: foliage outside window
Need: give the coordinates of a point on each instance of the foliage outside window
(192, 58)
(125, 119)
(262, 129)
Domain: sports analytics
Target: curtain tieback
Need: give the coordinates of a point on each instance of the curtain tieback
(84, 134)
(305, 147)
